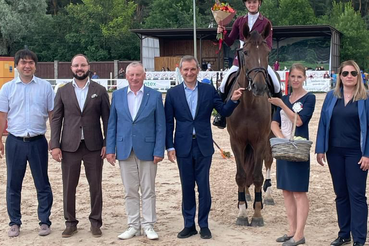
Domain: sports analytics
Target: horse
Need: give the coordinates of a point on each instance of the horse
(249, 124)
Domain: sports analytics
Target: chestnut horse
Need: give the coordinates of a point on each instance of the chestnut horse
(249, 124)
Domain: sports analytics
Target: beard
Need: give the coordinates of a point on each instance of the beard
(82, 77)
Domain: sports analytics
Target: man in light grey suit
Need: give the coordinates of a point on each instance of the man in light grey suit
(136, 137)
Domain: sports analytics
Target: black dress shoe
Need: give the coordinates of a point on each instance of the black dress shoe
(187, 232)
(340, 241)
(358, 244)
(205, 233)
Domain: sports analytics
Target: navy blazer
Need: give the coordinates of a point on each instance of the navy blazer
(176, 107)
(145, 134)
(322, 139)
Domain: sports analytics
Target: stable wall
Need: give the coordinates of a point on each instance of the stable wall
(6, 69)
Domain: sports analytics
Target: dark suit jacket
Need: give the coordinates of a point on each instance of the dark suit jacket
(68, 120)
(176, 107)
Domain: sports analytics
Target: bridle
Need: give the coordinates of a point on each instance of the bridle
(251, 78)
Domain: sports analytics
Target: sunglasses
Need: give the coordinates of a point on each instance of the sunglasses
(345, 73)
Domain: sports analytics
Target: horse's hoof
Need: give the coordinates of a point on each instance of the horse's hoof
(257, 222)
(248, 197)
(242, 221)
(269, 201)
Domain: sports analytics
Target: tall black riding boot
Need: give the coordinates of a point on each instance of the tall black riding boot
(220, 121)
(278, 94)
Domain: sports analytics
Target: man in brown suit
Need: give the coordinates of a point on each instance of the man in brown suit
(76, 136)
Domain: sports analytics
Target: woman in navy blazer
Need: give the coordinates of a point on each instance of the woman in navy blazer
(343, 139)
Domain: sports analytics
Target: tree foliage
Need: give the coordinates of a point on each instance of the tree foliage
(17, 18)
(290, 13)
(355, 34)
(170, 14)
(99, 29)
(58, 29)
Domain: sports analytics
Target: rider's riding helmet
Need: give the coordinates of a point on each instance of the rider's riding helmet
(261, 1)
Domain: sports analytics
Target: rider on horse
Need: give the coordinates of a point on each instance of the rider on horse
(257, 22)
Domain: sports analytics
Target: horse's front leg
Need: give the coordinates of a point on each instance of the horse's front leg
(257, 218)
(241, 183)
(242, 207)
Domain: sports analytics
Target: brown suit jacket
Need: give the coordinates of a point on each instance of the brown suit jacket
(68, 120)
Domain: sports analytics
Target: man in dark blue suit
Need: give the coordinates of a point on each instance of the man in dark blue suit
(191, 104)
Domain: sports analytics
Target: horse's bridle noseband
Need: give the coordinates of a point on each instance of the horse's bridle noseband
(256, 70)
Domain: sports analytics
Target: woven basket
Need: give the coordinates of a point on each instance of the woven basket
(290, 150)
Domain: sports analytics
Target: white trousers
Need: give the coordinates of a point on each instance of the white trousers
(138, 174)
(271, 72)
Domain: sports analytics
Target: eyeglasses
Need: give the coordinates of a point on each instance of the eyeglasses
(79, 65)
(345, 73)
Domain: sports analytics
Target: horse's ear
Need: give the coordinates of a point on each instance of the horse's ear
(246, 31)
(267, 30)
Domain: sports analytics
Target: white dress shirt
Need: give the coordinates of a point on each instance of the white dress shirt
(134, 101)
(252, 19)
(81, 94)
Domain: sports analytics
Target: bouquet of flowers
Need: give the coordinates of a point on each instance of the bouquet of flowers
(223, 14)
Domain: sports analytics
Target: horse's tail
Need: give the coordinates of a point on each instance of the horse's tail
(249, 163)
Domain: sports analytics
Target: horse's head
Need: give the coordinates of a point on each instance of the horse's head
(254, 60)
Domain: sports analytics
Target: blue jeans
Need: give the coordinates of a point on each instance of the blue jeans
(18, 153)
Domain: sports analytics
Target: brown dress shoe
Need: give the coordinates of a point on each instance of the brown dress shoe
(69, 231)
(96, 232)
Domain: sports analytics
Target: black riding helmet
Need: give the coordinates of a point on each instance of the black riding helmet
(261, 1)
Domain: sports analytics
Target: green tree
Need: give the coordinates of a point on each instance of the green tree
(142, 11)
(174, 14)
(355, 35)
(99, 29)
(17, 19)
(54, 6)
(270, 9)
(296, 12)
(320, 7)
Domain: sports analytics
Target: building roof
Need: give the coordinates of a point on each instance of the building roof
(279, 32)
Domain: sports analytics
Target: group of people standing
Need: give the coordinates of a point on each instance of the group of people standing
(135, 130)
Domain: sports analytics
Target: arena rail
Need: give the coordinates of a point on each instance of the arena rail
(163, 81)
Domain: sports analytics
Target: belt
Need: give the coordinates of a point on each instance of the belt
(28, 139)
(193, 136)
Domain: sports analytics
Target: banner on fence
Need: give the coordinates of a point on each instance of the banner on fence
(160, 85)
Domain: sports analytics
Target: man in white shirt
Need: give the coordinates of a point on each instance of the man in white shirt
(26, 102)
(136, 137)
